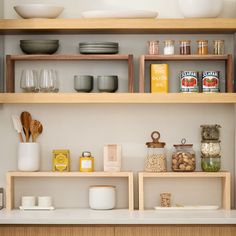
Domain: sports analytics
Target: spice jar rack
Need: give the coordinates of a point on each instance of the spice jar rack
(225, 176)
(228, 59)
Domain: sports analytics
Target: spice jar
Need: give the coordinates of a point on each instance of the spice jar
(165, 200)
(219, 47)
(211, 164)
(155, 160)
(210, 132)
(202, 47)
(169, 48)
(153, 47)
(183, 158)
(185, 47)
(210, 148)
(86, 162)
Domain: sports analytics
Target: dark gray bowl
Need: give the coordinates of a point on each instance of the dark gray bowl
(39, 46)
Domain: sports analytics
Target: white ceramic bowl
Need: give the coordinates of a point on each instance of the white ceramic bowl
(200, 8)
(28, 11)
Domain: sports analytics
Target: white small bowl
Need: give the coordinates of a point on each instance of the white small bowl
(200, 8)
(28, 11)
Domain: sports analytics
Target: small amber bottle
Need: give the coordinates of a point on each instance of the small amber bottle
(86, 162)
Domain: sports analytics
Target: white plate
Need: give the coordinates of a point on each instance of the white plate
(188, 208)
(120, 14)
(37, 208)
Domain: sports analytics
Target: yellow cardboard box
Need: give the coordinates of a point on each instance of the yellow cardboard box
(159, 78)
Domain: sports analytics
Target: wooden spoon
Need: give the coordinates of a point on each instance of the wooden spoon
(36, 128)
(25, 121)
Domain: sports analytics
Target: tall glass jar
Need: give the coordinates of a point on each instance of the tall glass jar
(202, 47)
(169, 48)
(155, 160)
(183, 158)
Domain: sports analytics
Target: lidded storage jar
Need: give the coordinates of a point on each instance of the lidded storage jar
(183, 158)
(155, 160)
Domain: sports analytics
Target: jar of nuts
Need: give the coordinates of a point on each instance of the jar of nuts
(183, 158)
(155, 160)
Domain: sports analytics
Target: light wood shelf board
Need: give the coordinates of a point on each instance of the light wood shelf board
(185, 175)
(69, 174)
(116, 98)
(49, 26)
(69, 57)
(185, 57)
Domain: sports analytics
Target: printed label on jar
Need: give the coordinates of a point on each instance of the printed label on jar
(189, 82)
(211, 82)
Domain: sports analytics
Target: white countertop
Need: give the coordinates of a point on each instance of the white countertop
(116, 217)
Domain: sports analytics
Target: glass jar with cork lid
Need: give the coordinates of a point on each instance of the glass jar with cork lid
(155, 160)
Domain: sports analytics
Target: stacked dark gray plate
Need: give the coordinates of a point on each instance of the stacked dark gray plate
(99, 48)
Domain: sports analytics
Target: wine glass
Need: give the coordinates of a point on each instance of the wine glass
(29, 81)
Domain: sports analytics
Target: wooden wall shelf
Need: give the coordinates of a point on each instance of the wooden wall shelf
(225, 176)
(11, 59)
(114, 26)
(228, 59)
(12, 175)
(116, 98)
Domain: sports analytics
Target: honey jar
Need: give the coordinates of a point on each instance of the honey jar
(86, 162)
(61, 160)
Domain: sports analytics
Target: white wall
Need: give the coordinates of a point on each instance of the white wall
(89, 127)
(1, 47)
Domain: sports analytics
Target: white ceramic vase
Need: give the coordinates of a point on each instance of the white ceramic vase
(200, 8)
(29, 157)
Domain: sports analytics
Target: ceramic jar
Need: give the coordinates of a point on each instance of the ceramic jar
(102, 197)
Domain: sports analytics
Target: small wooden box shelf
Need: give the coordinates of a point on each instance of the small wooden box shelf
(225, 176)
(12, 175)
(227, 58)
(11, 59)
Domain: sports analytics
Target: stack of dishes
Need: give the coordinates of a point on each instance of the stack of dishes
(39, 46)
(99, 48)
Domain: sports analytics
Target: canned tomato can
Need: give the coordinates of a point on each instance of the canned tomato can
(210, 81)
(189, 82)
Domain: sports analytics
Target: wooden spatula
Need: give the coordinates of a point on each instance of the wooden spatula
(36, 128)
(25, 121)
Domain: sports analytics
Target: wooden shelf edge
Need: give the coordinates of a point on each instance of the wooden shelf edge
(116, 98)
(69, 57)
(222, 174)
(69, 174)
(216, 25)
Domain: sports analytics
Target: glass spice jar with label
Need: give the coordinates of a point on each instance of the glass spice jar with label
(153, 47)
(202, 47)
(155, 160)
(183, 158)
(185, 47)
(219, 47)
(86, 162)
(169, 48)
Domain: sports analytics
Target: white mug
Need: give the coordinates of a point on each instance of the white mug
(29, 157)
(45, 201)
(28, 201)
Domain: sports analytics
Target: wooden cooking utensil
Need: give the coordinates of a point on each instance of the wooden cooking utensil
(25, 121)
(18, 126)
(36, 128)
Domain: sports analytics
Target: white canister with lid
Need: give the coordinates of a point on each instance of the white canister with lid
(102, 197)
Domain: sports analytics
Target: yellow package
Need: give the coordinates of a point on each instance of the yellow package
(159, 78)
(61, 160)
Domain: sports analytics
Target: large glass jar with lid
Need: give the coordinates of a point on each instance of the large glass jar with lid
(183, 158)
(155, 160)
